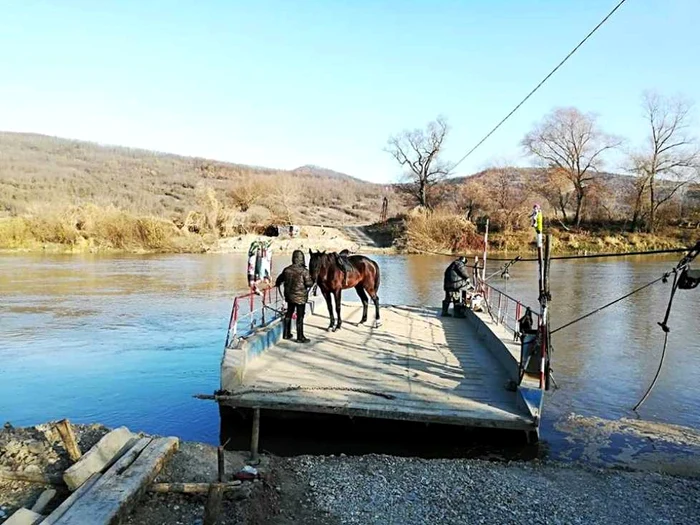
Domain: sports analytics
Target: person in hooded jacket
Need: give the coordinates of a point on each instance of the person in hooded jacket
(456, 280)
(297, 282)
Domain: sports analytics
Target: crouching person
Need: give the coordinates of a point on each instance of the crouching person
(297, 282)
(456, 281)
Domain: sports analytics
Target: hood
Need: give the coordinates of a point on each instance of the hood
(298, 257)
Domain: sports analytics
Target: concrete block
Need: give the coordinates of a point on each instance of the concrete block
(24, 517)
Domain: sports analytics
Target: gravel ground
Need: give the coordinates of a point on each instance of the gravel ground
(401, 491)
(379, 489)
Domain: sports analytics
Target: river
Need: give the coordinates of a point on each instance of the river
(127, 340)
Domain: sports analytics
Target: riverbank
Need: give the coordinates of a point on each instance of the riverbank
(96, 230)
(149, 235)
(590, 241)
(372, 489)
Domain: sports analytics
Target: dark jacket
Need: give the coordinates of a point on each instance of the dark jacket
(296, 279)
(456, 276)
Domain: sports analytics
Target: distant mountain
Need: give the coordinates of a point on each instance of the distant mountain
(43, 174)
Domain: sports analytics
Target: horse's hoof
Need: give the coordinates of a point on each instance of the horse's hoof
(377, 324)
(332, 328)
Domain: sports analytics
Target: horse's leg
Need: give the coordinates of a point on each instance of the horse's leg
(329, 304)
(365, 302)
(375, 299)
(338, 293)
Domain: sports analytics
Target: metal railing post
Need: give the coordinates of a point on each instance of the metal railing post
(498, 311)
(263, 306)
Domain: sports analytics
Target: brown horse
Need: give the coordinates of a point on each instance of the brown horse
(326, 273)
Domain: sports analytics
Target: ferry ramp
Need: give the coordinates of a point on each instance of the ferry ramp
(417, 366)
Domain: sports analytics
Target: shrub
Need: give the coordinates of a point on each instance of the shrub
(439, 231)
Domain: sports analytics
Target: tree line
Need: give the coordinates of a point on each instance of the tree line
(569, 150)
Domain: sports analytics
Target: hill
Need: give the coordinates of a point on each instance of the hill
(318, 171)
(41, 174)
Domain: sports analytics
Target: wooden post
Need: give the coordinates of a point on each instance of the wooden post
(222, 466)
(191, 488)
(65, 430)
(212, 509)
(255, 435)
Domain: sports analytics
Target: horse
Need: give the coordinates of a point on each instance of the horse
(329, 278)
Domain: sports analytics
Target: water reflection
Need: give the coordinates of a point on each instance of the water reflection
(128, 340)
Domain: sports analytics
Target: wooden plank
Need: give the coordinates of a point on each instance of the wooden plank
(190, 488)
(97, 457)
(68, 503)
(115, 493)
(115, 469)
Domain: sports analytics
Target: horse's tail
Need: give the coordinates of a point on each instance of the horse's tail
(377, 278)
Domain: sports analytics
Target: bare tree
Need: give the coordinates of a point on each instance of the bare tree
(507, 195)
(470, 198)
(555, 187)
(570, 141)
(670, 158)
(418, 151)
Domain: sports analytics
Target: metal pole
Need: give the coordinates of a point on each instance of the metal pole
(263, 306)
(486, 245)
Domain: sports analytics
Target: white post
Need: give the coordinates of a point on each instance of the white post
(486, 244)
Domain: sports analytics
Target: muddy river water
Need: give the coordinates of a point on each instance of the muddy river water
(127, 340)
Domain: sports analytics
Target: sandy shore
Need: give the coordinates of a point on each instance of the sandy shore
(310, 238)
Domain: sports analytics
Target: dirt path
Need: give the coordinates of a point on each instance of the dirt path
(358, 235)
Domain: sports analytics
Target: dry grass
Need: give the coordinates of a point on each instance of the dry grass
(438, 232)
(95, 228)
(583, 241)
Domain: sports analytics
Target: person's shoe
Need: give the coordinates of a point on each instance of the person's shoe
(287, 329)
(300, 331)
(445, 306)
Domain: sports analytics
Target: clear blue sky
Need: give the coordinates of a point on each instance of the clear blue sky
(285, 83)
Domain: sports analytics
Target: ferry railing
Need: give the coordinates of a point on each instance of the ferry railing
(252, 311)
(506, 310)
